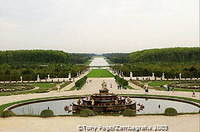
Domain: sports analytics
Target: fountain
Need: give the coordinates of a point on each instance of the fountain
(104, 102)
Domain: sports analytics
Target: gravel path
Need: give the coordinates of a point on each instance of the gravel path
(183, 123)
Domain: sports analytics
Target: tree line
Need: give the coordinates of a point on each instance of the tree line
(165, 55)
(30, 63)
(170, 70)
(30, 72)
(171, 61)
(42, 57)
(117, 58)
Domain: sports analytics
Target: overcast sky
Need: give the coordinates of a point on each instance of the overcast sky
(98, 26)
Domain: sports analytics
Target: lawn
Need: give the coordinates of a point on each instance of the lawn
(100, 73)
(44, 85)
(157, 85)
(42, 88)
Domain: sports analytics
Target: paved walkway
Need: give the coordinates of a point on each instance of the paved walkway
(71, 85)
(94, 84)
(183, 123)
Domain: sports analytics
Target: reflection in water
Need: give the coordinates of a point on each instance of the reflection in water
(151, 106)
(99, 61)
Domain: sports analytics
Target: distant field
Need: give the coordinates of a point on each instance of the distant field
(100, 73)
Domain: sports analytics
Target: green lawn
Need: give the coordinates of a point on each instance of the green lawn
(42, 88)
(100, 73)
(157, 85)
(44, 85)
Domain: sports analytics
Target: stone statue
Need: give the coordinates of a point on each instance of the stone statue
(104, 85)
(69, 75)
(116, 102)
(38, 78)
(131, 75)
(48, 77)
(21, 78)
(163, 76)
(92, 101)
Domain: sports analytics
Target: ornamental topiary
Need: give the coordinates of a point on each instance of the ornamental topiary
(7, 113)
(80, 82)
(171, 112)
(47, 113)
(86, 113)
(129, 112)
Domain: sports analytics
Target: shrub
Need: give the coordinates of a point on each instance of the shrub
(129, 112)
(171, 112)
(47, 113)
(121, 81)
(86, 113)
(80, 82)
(7, 113)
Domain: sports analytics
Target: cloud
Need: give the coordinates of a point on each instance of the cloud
(98, 25)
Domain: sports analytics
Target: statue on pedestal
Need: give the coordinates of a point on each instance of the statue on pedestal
(104, 85)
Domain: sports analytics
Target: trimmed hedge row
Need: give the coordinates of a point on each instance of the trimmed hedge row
(171, 112)
(47, 113)
(129, 112)
(80, 82)
(7, 113)
(121, 81)
(86, 113)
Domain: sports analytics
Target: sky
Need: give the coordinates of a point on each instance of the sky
(98, 26)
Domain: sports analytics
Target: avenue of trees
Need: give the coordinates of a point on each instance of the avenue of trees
(117, 58)
(30, 72)
(33, 57)
(155, 56)
(42, 57)
(30, 63)
(76, 58)
(170, 70)
(166, 55)
(171, 61)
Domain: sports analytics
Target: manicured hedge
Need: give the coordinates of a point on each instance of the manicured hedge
(171, 112)
(129, 112)
(121, 81)
(47, 113)
(7, 113)
(80, 82)
(86, 113)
